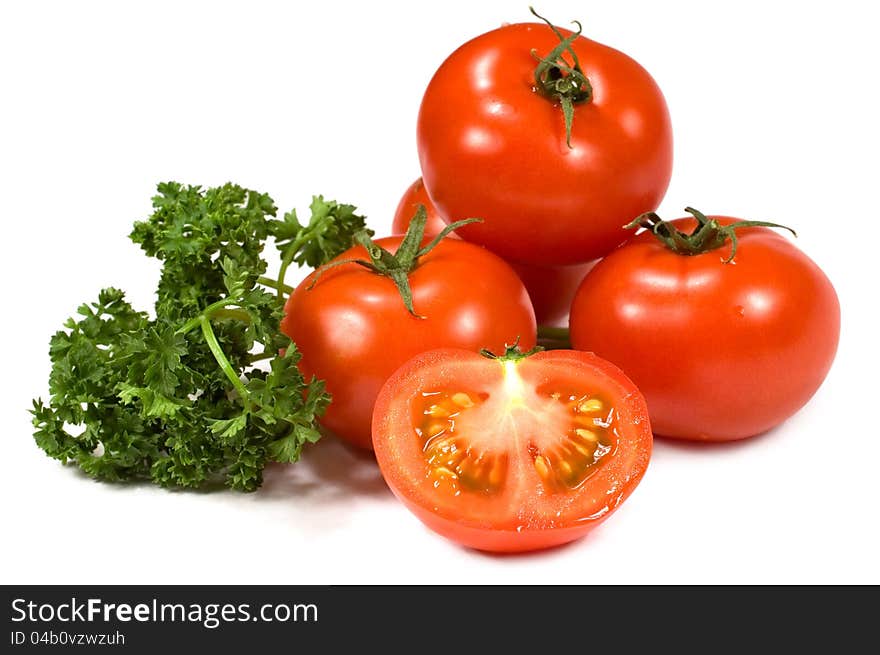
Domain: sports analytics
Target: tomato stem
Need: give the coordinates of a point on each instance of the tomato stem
(512, 352)
(708, 234)
(399, 265)
(275, 284)
(558, 80)
(554, 338)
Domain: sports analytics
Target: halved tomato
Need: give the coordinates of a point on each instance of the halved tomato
(511, 453)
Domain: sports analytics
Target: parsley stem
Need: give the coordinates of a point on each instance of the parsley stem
(235, 314)
(287, 259)
(223, 361)
(219, 310)
(275, 284)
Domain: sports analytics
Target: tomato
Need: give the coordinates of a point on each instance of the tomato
(506, 455)
(551, 288)
(720, 350)
(353, 329)
(492, 145)
(414, 196)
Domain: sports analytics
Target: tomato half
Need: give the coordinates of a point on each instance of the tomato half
(490, 145)
(353, 329)
(720, 350)
(505, 455)
(551, 288)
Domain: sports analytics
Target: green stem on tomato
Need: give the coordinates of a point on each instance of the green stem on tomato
(554, 338)
(222, 360)
(560, 81)
(512, 352)
(554, 333)
(400, 264)
(708, 235)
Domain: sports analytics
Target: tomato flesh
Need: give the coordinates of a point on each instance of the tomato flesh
(508, 456)
(567, 444)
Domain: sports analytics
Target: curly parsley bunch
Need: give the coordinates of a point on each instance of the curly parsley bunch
(181, 399)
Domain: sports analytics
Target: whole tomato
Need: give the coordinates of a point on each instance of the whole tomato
(551, 288)
(494, 142)
(354, 330)
(721, 348)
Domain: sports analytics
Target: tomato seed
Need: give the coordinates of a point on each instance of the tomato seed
(496, 474)
(542, 466)
(591, 405)
(437, 411)
(462, 400)
(588, 435)
(445, 472)
(581, 448)
(435, 428)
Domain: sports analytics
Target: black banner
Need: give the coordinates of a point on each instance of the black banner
(243, 618)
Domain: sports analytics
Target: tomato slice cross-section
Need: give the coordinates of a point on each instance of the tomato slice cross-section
(511, 453)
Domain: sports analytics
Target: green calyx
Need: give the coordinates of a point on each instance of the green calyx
(559, 80)
(708, 234)
(512, 352)
(399, 265)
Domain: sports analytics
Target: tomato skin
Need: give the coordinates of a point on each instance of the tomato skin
(551, 288)
(491, 146)
(353, 330)
(538, 520)
(416, 195)
(720, 351)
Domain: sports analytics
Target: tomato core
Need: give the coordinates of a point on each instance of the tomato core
(468, 437)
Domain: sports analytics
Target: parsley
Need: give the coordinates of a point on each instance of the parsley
(181, 399)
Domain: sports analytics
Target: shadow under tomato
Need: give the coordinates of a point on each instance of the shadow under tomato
(327, 471)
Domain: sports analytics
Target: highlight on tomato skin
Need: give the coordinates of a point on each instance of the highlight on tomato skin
(551, 288)
(511, 455)
(721, 350)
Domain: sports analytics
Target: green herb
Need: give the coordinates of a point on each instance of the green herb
(182, 399)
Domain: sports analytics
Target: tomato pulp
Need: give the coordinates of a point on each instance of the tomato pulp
(492, 146)
(353, 329)
(505, 455)
(551, 288)
(721, 351)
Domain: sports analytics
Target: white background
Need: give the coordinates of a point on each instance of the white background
(774, 108)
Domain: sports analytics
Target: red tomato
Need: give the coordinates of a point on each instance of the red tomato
(492, 146)
(720, 350)
(551, 288)
(511, 455)
(353, 329)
